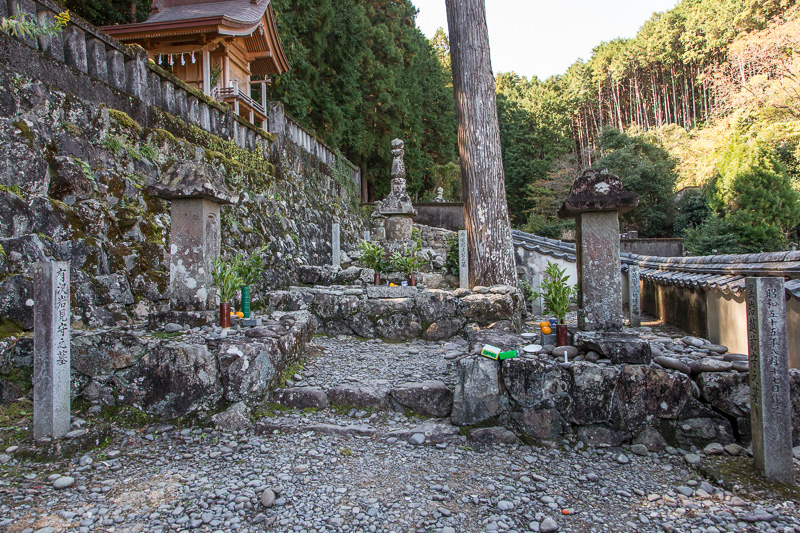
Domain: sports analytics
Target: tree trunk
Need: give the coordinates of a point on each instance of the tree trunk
(491, 251)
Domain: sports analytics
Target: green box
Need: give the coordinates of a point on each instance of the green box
(493, 352)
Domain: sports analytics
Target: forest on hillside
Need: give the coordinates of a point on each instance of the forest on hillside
(699, 113)
(703, 102)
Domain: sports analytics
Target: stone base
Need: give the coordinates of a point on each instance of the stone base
(399, 227)
(403, 313)
(251, 322)
(618, 347)
(194, 319)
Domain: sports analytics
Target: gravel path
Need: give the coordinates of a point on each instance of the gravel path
(327, 471)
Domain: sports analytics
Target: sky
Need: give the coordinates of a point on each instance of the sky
(543, 38)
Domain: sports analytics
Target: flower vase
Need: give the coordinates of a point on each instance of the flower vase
(377, 278)
(246, 301)
(561, 334)
(225, 315)
(412, 281)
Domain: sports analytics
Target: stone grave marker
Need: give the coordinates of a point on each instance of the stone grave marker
(196, 193)
(770, 405)
(336, 245)
(634, 296)
(51, 350)
(537, 304)
(595, 202)
(463, 260)
(367, 235)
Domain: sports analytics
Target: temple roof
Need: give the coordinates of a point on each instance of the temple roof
(253, 20)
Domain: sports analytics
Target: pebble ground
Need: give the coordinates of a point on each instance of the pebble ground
(158, 478)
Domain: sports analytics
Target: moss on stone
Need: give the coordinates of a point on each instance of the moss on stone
(124, 120)
(21, 376)
(25, 131)
(159, 136)
(14, 189)
(731, 472)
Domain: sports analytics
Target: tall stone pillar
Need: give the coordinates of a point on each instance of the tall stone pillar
(51, 350)
(770, 401)
(595, 202)
(197, 192)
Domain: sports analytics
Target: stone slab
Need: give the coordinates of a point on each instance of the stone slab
(599, 277)
(336, 251)
(634, 296)
(51, 359)
(771, 408)
(463, 260)
(618, 347)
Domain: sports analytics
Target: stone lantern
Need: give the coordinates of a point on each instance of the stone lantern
(595, 202)
(196, 191)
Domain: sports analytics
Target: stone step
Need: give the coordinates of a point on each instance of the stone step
(428, 398)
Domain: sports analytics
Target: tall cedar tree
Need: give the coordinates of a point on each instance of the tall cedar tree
(363, 74)
(491, 255)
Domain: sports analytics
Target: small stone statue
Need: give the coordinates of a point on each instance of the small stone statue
(398, 200)
(439, 195)
(397, 207)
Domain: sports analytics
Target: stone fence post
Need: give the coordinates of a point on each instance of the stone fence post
(277, 118)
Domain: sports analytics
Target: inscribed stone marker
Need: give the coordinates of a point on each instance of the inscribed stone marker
(635, 296)
(770, 407)
(367, 235)
(537, 304)
(463, 260)
(336, 246)
(51, 350)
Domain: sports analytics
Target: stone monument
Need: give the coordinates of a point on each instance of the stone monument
(595, 202)
(463, 260)
(197, 192)
(770, 402)
(634, 296)
(396, 207)
(51, 350)
(439, 195)
(336, 250)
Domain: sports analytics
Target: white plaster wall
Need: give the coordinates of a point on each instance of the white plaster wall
(536, 263)
(727, 324)
(793, 329)
(727, 320)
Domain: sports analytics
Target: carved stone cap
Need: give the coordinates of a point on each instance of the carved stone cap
(194, 179)
(597, 190)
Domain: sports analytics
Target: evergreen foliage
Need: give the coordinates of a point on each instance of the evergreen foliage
(647, 170)
(754, 195)
(363, 74)
(534, 130)
(109, 12)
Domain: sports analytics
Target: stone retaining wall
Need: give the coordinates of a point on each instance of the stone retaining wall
(401, 313)
(74, 187)
(193, 371)
(606, 404)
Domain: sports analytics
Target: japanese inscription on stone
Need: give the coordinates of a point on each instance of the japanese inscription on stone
(635, 296)
(463, 260)
(51, 365)
(770, 407)
(336, 246)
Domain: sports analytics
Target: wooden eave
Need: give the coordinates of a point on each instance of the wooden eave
(263, 47)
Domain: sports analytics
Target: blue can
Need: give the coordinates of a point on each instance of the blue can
(553, 323)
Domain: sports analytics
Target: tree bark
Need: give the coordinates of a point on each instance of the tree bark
(491, 250)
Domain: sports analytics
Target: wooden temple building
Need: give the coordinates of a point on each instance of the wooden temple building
(226, 48)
